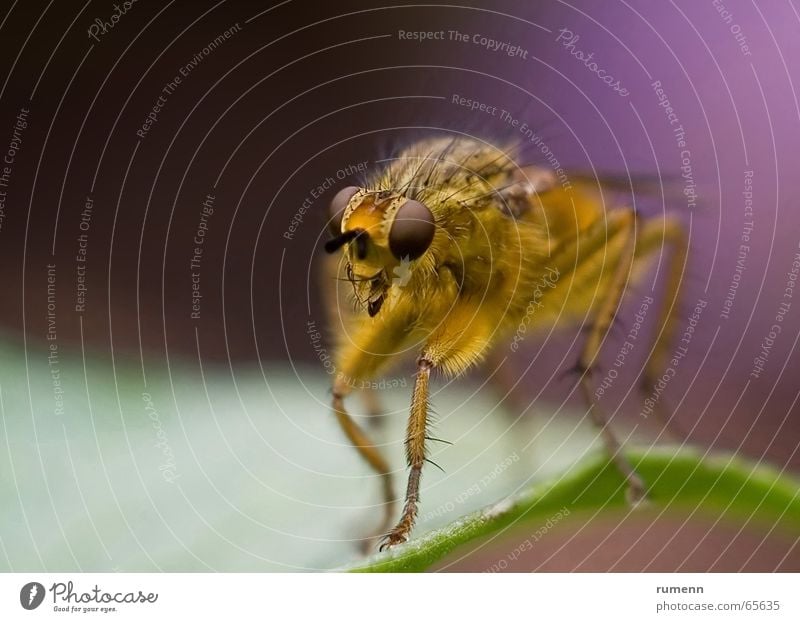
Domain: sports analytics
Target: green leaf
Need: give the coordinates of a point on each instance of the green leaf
(197, 469)
(677, 480)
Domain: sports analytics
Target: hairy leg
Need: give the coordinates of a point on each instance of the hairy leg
(368, 350)
(459, 342)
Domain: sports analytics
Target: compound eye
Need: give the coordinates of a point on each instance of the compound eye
(412, 230)
(336, 209)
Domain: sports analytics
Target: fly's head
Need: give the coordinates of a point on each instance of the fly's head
(382, 232)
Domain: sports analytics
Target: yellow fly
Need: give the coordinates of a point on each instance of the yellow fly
(475, 236)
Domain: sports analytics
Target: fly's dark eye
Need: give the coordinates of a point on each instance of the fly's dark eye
(337, 207)
(412, 230)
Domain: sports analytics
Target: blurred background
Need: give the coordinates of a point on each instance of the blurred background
(167, 169)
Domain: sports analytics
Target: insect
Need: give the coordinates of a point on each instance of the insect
(475, 235)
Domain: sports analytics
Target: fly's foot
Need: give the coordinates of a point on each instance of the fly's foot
(393, 538)
(367, 544)
(636, 491)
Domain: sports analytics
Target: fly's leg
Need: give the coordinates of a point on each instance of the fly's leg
(623, 243)
(415, 454)
(506, 386)
(653, 236)
(459, 342)
(375, 411)
(341, 315)
(369, 453)
(368, 350)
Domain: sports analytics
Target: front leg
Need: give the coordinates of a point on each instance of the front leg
(415, 454)
(459, 342)
(368, 351)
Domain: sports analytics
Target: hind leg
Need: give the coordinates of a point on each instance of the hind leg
(654, 236)
(619, 256)
(505, 384)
